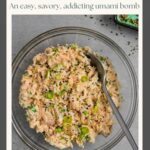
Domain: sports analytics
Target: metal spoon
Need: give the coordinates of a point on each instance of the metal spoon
(95, 62)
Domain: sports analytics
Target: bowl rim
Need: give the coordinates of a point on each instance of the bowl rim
(25, 49)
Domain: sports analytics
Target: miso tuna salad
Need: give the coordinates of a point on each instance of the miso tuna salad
(63, 97)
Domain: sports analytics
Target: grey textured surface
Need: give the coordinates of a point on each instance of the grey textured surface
(24, 28)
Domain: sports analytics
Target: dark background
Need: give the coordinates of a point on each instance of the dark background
(3, 75)
(146, 77)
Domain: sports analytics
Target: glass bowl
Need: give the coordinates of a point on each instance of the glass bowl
(83, 37)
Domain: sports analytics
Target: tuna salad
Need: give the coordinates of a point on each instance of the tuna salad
(63, 97)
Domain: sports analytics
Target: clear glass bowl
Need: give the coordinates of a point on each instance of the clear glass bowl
(83, 37)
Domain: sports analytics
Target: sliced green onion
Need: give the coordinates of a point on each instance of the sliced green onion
(32, 107)
(59, 129)
(58, 76)
(49, 95)
(62, 92)
(67, 119)
(63, 110)
(55, 49)
(51, 106)
(74, 46)
(102, 58)
(66, 87)
(87, 138)
(84, 131)
(84, 78)
(58, 67)
(48, 73)
(95, 108)
(85, 113)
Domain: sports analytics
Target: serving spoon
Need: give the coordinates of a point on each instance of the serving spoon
(102, 76)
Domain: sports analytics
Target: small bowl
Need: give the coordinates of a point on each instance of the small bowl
(83, 37)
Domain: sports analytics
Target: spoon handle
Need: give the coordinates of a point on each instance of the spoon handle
(120, 119)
